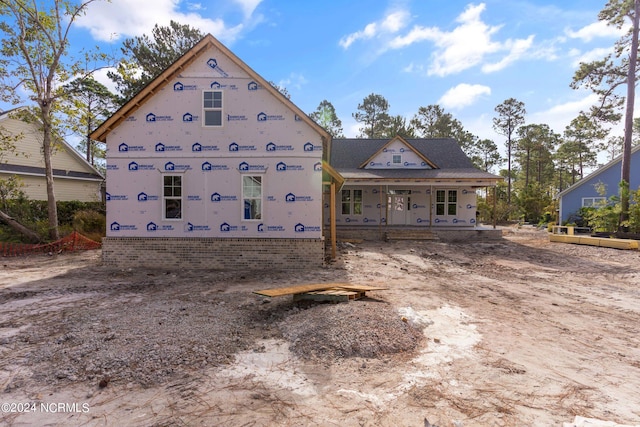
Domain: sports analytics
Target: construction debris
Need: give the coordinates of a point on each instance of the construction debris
(333, 292)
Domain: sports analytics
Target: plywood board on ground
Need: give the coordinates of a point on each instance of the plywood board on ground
(301, 289)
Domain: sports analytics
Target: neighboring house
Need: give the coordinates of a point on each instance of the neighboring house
(425, 184)
(584, 193)
(74, 178)
(211, 166)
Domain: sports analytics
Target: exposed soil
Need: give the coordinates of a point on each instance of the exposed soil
(518, 332)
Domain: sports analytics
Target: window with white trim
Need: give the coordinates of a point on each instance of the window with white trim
(396, 159)
(172, 197)
(212, 108)
(593, 202)
(251, 197)
(351, 202)
(446, 202)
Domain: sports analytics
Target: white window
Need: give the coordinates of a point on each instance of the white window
(446, 202)
(212, 108)
(592, 202)
(352, 202)
(172, 197)
(251, 197)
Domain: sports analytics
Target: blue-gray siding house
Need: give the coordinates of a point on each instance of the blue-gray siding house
(584, 192)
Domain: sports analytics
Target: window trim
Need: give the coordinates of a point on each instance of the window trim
(595, 201)
(351, 202)
(393, 157)
(206, 109)
(447, 203)
(261, 198)
(165, 198)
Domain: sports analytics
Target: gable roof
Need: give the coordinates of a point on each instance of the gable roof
(599, 171)
(85, 170)
(404, 142)
(348, 156)
(100, 134)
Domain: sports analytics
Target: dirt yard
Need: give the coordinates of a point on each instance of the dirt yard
(518, 332)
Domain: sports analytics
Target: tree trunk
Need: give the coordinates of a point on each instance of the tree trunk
(19, 227)
(47, 146)
(628, 119)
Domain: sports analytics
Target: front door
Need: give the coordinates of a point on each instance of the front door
(399, 202)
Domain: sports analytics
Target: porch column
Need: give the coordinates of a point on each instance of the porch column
(332, 218)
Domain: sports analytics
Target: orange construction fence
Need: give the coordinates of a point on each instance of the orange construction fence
(73, 242)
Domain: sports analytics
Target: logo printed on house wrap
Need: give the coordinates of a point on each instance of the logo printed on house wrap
(152, 118)
(125, 148)
(273, 147)
(116, 226)
(115, 197)
(217, 197)
(179, 87)
(172, 167)
(189, 118)
(226, 227)
(301, 228)
(135, 166)
(283, 167)
(208, 167)
(246, 167)
(234, 146)
(160, 147)
(213, 64)
(217, 85)
(308, 146)
(189, 227)
(197, 147)
(144, 197)
(264, 117)
(292, 198)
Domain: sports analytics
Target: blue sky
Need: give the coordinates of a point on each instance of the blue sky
(468, 57)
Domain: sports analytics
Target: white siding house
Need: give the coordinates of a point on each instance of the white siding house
(74, 178)
(210, 166)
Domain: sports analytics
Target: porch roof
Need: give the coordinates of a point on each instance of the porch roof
(462, 176)
(452, 165)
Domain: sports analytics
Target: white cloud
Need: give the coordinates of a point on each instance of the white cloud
(465, 46)
(560, 115)
(390, 24)
(590, 56)
(115, 20)
(517, 49)
(463, 95)
(248, 6)
(295, 81)
(595, 30)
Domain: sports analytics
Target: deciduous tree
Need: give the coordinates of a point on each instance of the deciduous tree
(35, 45)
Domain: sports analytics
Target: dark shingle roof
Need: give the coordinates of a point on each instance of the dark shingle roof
(348, 154)
(444, 152)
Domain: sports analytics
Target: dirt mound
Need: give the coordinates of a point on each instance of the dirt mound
(368, 329)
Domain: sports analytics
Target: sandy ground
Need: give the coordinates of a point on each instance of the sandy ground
(518, 332)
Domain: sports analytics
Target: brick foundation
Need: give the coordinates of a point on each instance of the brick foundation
(212, 253)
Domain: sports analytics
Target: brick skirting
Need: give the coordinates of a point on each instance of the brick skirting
(212, 253)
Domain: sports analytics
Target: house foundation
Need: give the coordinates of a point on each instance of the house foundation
(212, 253)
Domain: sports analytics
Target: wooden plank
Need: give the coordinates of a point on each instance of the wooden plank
(300, 289)
(291, 290)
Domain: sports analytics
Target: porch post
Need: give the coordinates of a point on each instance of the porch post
(332, 218)
(430, 206)
(495, 196)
